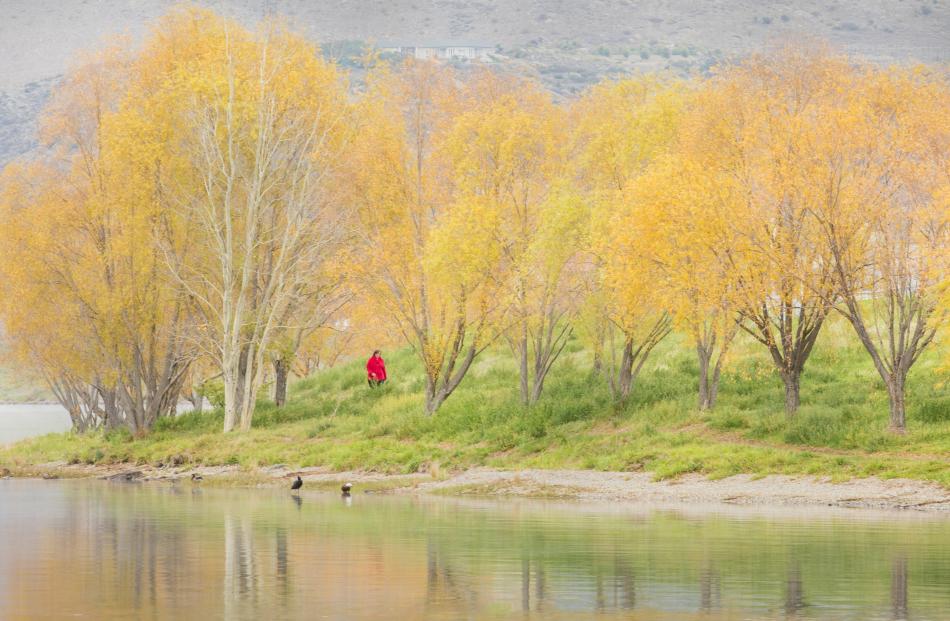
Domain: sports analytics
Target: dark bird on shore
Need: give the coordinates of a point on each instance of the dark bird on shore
(196, 477)
(346, 488)
(297, 484)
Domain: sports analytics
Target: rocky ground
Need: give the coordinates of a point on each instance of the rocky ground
(871, 493)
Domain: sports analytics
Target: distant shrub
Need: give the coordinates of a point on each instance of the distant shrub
(602, 51)
(644, 54)
(785, 17)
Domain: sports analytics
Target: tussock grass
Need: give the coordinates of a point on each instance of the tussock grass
(333, 419)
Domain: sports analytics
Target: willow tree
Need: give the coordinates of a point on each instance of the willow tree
(620, 128)
(507, 151)
(882, 181)
(689, 239)
(424, 261)
(255, 123)
(757, 115)
(89, 306)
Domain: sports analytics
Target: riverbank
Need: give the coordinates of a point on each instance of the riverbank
(333, 423)
(578, 485)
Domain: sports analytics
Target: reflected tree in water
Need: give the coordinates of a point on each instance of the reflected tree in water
(899, 587)
(794, 593)
(709, 589)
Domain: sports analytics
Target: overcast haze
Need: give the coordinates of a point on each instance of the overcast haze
(568, 45)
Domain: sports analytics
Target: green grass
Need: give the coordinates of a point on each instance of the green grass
(333, 419)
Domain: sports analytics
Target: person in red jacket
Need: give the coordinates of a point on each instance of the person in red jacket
(375, 370)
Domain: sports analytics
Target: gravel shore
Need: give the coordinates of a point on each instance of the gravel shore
(588, 485)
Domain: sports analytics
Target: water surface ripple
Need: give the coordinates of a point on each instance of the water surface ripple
(99, 550)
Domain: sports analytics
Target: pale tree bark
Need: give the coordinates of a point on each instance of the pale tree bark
(80, 400)
(152, 379)
(543, 332)
(267, 215)
(895, 326)
(546, 292)
(712, 345)
(888, 263)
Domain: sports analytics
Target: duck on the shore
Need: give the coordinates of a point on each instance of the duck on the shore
(196, 477)
(297, 484)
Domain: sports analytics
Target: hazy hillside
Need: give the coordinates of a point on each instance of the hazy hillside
(566, 43)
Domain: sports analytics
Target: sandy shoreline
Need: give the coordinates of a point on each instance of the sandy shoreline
(587, 485)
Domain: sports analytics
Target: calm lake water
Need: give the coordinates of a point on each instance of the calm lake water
(21, 421)
(98, 550)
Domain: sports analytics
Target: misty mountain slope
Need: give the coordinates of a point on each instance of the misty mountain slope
(567, 44)
(18, 112)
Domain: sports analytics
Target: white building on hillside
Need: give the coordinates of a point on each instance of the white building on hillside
(454, 51)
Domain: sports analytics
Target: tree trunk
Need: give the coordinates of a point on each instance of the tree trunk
(280, 382)
(230, 404)
(708, 377)
(434, 399)
(523, 364)
(625, 373)
(713, 392)
(538, 388)
(439, 388)
(792, 381)
(895, 394)
(704, 354)
(252, 368)
(235, 376)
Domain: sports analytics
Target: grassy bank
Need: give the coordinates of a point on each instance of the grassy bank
(334, 420)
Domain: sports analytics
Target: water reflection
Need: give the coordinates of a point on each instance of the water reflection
(126, 551)
(709, 595)
(794, 596)
(899, 587)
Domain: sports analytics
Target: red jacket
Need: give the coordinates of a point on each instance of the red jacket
(375, 367)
